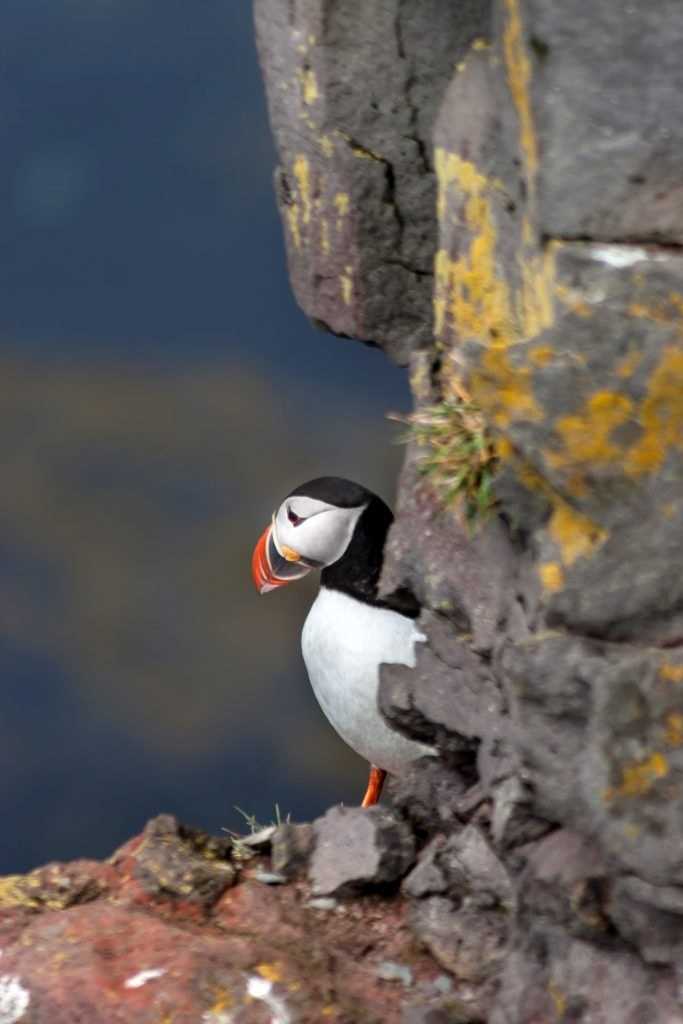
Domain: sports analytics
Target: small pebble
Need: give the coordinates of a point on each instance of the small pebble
(269, 878)
(388, 970)
(322, 903)
(442, 984)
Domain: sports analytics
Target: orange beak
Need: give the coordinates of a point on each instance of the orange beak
(271, 569)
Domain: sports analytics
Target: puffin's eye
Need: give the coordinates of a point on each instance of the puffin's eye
(293, 517)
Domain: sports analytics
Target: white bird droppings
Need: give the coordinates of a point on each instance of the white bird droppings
(14, 999)
(140, 979)
(620, 255)
(262, 989)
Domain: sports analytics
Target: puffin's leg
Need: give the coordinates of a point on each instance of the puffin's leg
(375, 783)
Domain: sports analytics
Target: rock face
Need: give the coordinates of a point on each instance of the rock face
(492, 192)
(178, 928)
(353, 90)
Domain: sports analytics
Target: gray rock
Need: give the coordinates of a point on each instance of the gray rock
(352, 95)
(426, 542)
(512, 822)
(551, 681)
(564, 884)
(475, 874)
(650, 917)
(270, 877)
(431, 1013)
(357, 848)
(290, 848)
(470, 943)
(428, 796)
(427, 878)
(388, 970)
(632, 774)
(605, 103)
(548, 682)
(548, 977)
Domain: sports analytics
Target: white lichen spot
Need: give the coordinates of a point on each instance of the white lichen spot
(619, 255)
(142, 977)
(262, 990)
(14, 999)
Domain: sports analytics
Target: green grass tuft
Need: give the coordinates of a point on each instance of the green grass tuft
(457, 454)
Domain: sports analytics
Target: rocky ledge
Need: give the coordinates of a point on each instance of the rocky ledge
(343, 920)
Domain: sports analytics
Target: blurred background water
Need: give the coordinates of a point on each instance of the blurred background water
(160, 392)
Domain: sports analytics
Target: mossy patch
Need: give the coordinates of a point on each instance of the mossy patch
(457, 454)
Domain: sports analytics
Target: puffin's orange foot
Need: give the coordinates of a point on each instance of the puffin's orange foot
(375, 783)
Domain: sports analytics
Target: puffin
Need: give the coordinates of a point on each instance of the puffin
(340, 527)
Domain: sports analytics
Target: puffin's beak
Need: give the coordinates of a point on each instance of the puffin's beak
(270, 569)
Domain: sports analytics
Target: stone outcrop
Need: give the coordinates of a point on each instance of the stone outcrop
(183, 928)
(492, 192)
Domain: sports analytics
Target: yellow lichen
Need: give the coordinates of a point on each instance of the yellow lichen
(342, 203)
(541, 355)
(303, 180)
(478, 297)
(292, 215)
(13, 892)
(346, 282)
(535, 301)
(324, 236)
(558, 998)
(552, 576)
(638, 777)
(223, 1000)
(627, 366)
(505, 391)
(474, 298)
(519, 78)
(573, 300)
(660, 416)
(673, 729)
(586, 434)
(309, 86)
(671, 673)
(576, 535)
(271, 972)
(326, 145)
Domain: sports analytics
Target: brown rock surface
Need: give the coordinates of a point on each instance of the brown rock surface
(176, 929)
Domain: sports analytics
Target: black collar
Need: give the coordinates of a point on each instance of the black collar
(358, 571)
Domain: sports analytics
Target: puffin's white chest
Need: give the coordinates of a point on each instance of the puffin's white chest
(344, 641)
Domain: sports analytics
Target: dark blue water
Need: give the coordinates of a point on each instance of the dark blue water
(159, 392)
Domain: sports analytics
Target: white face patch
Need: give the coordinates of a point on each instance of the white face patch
(319, 532)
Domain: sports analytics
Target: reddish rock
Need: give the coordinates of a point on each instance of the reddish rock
(176, 929)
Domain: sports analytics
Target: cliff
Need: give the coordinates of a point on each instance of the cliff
(491, 192)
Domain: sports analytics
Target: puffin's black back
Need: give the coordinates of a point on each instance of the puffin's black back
(358, 570)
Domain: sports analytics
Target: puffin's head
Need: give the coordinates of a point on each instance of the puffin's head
(311, 529)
